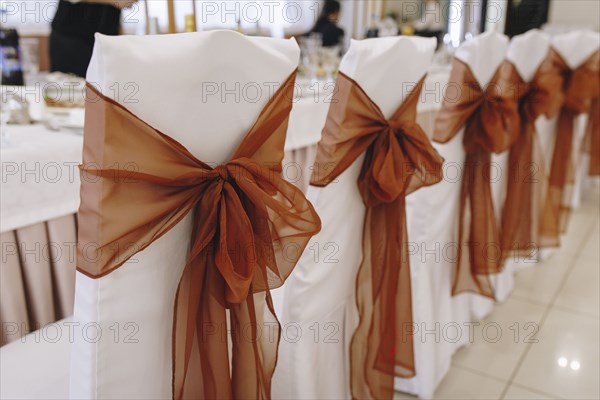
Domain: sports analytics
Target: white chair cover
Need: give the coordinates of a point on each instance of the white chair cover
(526, 52)
(132, 307)
(575, 48)
(318, 301)
(432, 214)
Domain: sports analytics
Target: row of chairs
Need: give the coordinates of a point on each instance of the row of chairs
(133, 337)
(448, 289)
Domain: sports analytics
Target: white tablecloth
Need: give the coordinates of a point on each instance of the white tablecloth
(40, 176)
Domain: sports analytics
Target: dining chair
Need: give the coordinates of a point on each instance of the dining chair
(319, 301)
(433, 217)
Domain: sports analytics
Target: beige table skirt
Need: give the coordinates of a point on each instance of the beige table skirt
(37, 276)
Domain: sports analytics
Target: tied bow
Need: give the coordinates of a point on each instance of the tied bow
(521, 212)
(399, 159)
(399, 151)
(244, 219)
(491, 123)
(580, 91)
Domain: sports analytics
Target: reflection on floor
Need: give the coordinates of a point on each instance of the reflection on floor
(559, 298)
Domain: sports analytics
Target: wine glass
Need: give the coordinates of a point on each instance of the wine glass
(330, 61)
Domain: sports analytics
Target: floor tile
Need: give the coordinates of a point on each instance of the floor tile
(582, 220)
(464, 385)
(565, 361)
(498, 357)
(541, 282)
(591, 247)
(515, 392)
(581, 290)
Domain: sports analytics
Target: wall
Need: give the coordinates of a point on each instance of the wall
(575, 12)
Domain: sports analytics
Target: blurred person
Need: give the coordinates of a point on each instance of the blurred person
(523, 15)
(326, 25)
(73, 29)
(431, 23)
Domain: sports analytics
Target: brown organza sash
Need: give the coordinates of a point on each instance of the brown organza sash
(592, 141)
(491, 124)
(541, 96)
(580, 88)
(592, 134)
(138, 183)
(399, 159)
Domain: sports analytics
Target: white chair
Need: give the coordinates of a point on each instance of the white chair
(526, 52)
(318, 303)
(172, 97)
(432, 214)
(575, 48)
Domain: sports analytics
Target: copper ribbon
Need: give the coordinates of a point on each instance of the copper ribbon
(541, 96)
(491, 124)
(399, 159)
(593, 138)
(580, 88)
(592, 134)
(249, 228)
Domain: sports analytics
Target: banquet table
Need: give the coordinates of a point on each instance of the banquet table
(38, 202)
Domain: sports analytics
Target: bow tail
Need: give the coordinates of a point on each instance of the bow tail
(203, 340)
(255, 329)
(561, 174)
(249, 380)
(517, 214)
(200, 345)
(481, 240)
(593, 138)
(380, 348)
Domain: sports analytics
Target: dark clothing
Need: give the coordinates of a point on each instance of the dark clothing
(529, 14)
(73, 29)
(332, 34)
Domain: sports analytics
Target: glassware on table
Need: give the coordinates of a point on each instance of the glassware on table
(30, 48)
(311, 50)
(331, 61)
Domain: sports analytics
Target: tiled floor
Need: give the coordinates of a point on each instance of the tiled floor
(561, 295)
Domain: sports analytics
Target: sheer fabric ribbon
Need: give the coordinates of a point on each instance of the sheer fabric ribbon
(250, 226)
(399, 160)
(491, 123)
(580, 92)
(526, 176)
(593, 138)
